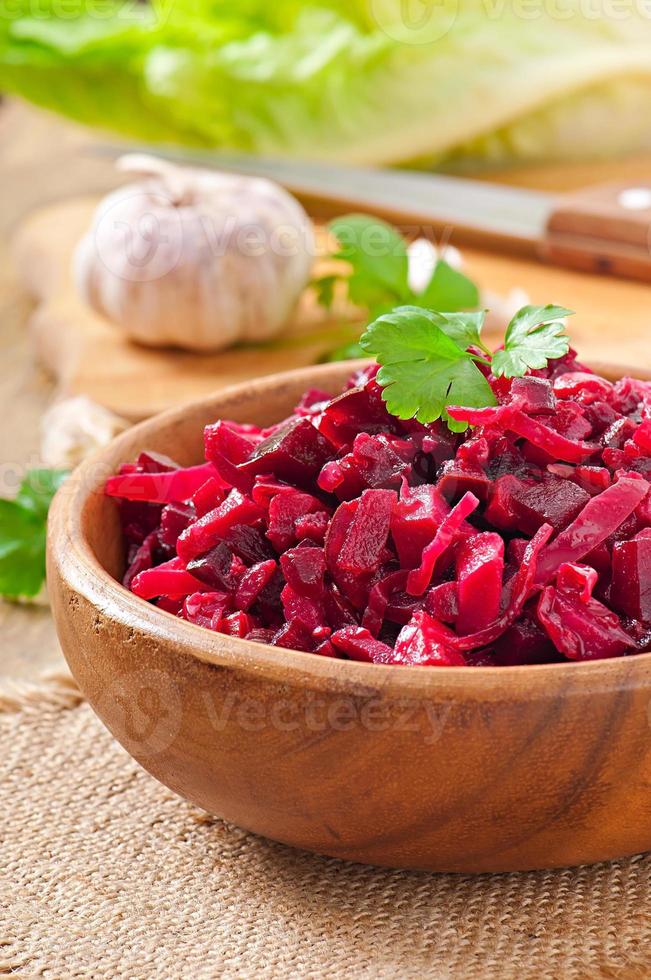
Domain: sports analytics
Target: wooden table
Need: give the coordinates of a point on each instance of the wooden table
(43, 159)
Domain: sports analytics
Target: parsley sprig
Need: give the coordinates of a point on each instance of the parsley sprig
(375, 274)
(22, 533)
(430, 360)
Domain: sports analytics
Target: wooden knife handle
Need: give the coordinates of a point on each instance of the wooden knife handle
(603, 229)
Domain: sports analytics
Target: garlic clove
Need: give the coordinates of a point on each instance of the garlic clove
(74, 428)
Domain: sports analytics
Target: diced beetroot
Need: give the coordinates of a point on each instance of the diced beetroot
(294, 636)
(301, 608)
(367, 533)
(374, 462)
(143, 557)
(169, 579)
(294, 534)
(419, 645)
(556, 502)
(338, 610)
(416, 517)
(593, 479)
(238, 624)
(617, 434)
(296, 452)
(312, 402)
(249, 543)
(581, 630)
(578, 579)
(439, 443)
(420, 578)
(524, 643)
(253, 582)
(380, 594)
(149, 462)
(160, 488)
(209, 496)
(223, 439)
(304, 569)
(266, 487)
(360, 409)
(442, 602)
(480, 568)
(338, 532)
(601, 416)
(174, 520)
(627, 395)
(505, 492)
(312, 527)
(535, 395)
(172, 605)
(215, 568)
(516, 551)
(571, 421)
(631, 584)
(205, 533)
(642, 435)
(327, 649)
(455, 480)
(206, 608)
(284, 511)
(358, 644)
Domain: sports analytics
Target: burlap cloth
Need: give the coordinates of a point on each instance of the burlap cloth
(105, 873)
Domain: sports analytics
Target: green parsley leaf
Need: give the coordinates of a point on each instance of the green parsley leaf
(38, 488)
(22, 551)
(423, 368)
(377, 277)
(377, 254)
(449, 289)
(23, 531)
(347, 352)
(533, 337)
(325, 290)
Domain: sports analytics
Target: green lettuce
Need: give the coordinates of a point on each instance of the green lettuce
(355, 81)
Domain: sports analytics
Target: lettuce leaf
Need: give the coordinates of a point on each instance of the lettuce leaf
(355, 81)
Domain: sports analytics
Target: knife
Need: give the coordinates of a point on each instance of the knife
(604, 229)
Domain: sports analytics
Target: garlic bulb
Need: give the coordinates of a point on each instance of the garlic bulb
(195, 258)
(74, 428)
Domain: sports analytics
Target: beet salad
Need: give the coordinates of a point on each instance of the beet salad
(505, 522)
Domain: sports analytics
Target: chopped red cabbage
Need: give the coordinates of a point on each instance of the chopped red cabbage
(346, 532)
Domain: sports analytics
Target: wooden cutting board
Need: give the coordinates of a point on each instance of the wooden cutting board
(88, 356)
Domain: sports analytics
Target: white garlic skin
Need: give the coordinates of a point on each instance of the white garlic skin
(74, 428)
(194, 258)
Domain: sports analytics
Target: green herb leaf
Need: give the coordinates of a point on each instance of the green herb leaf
(325, 290)
(377, 254)
(38, 488)
(449, 289)
(22, 533)
(533, 337)
(423, 368)
(463, 328)
(347, 352)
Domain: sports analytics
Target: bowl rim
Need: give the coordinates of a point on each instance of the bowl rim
(72, 559)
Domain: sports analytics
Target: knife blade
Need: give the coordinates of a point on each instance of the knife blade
(604, 229)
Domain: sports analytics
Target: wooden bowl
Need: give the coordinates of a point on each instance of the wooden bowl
(446, 769)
